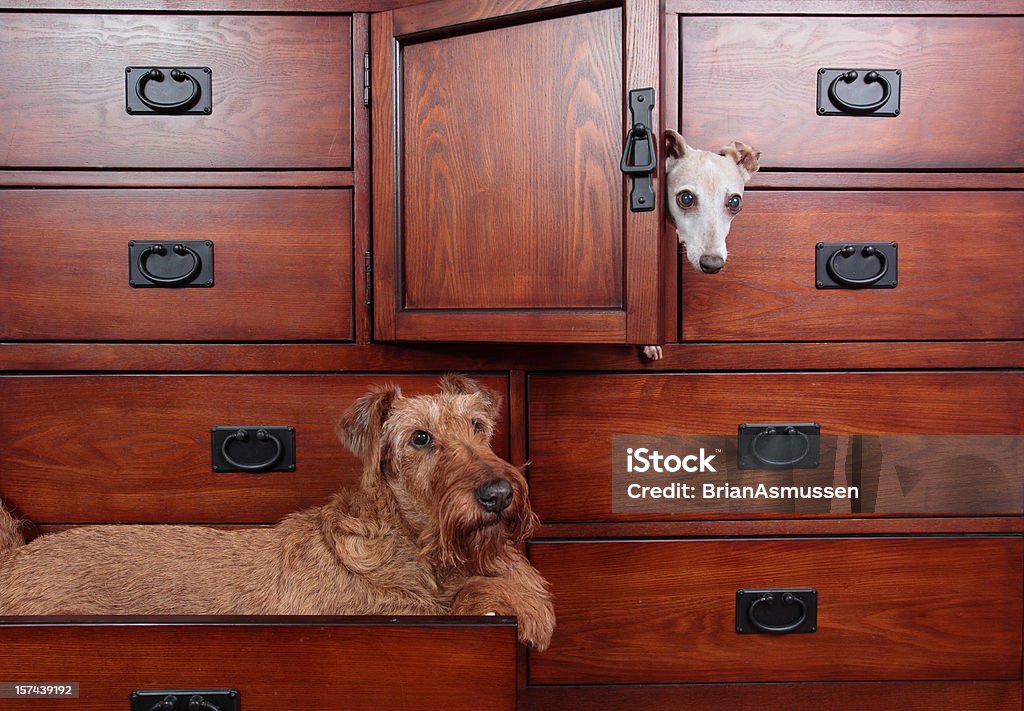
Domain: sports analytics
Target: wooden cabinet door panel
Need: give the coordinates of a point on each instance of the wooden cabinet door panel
(501, 210)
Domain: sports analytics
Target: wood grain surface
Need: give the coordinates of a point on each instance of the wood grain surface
(282, 265)
(530, 208)
(274, 663)
(820, 696)
(888, 609)
(281, 91)
(953, 469)
(956, 257)
(755, 79)
(326, 357)
(136, 449)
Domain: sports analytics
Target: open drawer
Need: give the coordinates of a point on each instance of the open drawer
(273, 663)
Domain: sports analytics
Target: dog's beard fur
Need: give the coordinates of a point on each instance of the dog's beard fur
(469, 540)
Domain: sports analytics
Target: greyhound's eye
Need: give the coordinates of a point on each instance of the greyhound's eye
(421, 439)
(686, 199)
(734, 203)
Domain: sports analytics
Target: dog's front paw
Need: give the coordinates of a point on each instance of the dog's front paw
(532, 608)
(653, 352)
(537, 626)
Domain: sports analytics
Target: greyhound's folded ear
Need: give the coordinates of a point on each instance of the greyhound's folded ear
(361, 425)
(745, 157)
(675, 144)
(461, 385)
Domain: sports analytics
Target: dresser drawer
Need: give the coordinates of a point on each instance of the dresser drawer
(756, 79)
(97, 449)
(282, 265)
(888, 609)
(274, 663)
(281, 91)
(955, 269)
(945, 443)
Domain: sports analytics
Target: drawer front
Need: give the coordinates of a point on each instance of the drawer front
(956, 267)
(755, 79)
(319, 664)
(281, 91)
(138, 449)
(911, 443)
(888, 609)
(282, 265)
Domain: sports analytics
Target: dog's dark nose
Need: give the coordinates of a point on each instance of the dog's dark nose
(495, 496)
(711, 263)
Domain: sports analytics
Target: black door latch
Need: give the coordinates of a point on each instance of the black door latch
(639, 158)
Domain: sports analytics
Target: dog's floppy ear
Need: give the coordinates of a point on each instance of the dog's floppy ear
(745, 157)
(361, 425)
(461, 385)
(675, 144)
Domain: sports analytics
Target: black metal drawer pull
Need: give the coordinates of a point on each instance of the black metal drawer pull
(161, 250)
(848, 251)
(186, 700)
(769, 599)
(771, 432)
(783, 611)
(261, 435)
(856, 265)
(177, 75)
(869, 78)
(779, 445)
(855, 92)
(252, 449)
(183, 263)
(178, 91)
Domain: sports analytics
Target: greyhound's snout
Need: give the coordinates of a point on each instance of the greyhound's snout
(711, 263)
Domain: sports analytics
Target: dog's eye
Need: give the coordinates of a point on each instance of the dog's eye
(734, 203)
(421, 439)
(478, 426)
(686, 199)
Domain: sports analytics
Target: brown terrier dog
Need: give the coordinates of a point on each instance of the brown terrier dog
(433, 529)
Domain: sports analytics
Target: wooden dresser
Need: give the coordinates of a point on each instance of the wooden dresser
(306, 198)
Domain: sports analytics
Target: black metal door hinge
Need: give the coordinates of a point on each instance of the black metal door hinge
(368, 270)
(366, 78)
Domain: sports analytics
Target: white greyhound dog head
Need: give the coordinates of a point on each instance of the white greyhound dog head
(705, 193)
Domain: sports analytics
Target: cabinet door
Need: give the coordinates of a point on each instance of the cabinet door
(501, 211)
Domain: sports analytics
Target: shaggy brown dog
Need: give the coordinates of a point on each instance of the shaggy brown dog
(433, 529)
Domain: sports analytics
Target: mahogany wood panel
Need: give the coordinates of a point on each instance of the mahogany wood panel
(724, 528)
(665, 612)
(321, 664)
(954, 267)
(277, 100)
(761, 526)
(532, 207)
(262, 6)
(282, 265)
(820, 696)
(958, 99)
(574, 418)
(510, 169)
(845, 7)
(177, 179)
(441, 14)
(362, 217)
(95, 449)
(324, 357)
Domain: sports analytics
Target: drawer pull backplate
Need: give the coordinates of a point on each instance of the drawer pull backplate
(782, 611)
